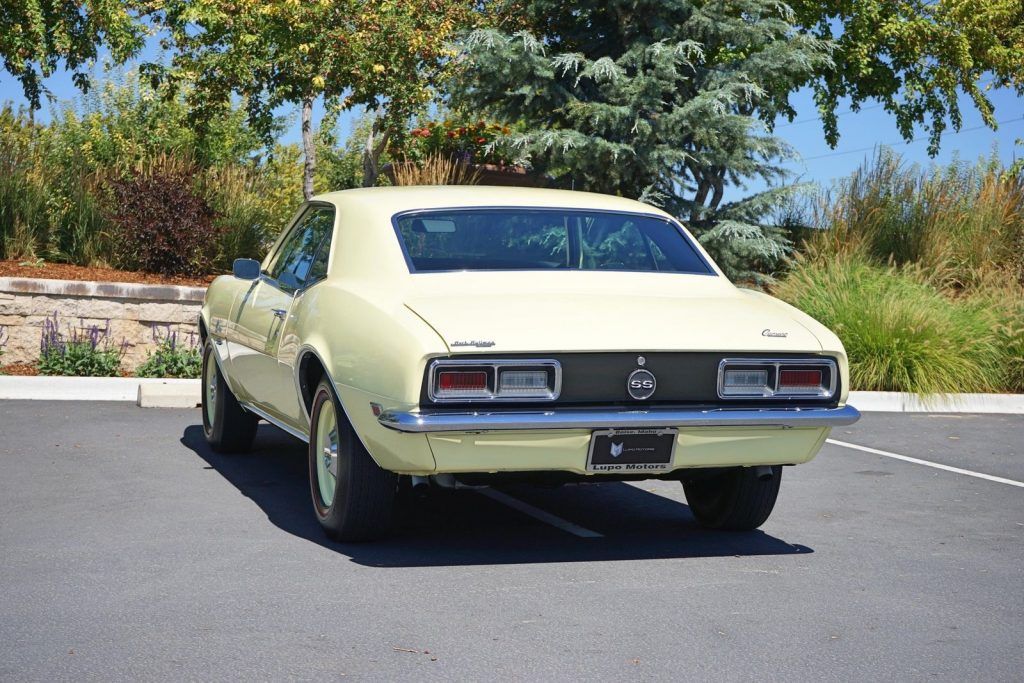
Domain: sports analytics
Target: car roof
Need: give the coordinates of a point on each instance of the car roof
(397, 199)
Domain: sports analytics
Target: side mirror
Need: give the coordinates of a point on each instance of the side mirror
(246, 268)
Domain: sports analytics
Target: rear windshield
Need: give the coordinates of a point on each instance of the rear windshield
(545, 239)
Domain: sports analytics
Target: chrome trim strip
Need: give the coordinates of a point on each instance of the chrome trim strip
(277, 423)
(496, 364)
(776, 362)
(614, 418)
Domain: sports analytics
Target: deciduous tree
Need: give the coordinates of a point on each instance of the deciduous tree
(386, 55)
(39, 36)
(915, 57)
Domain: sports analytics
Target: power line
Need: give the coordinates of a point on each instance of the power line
(908, 142)
(818, 118)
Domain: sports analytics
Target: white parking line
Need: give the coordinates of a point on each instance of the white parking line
(537, 513)
(927, 463)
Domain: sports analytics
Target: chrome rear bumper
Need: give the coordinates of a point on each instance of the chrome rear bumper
(614, 418)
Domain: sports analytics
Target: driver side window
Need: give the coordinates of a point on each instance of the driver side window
(302, 258)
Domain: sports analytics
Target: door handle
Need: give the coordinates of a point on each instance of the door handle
(280, 312)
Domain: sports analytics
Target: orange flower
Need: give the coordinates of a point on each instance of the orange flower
(481, 141)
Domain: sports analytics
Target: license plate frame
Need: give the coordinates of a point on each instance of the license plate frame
(633, 450)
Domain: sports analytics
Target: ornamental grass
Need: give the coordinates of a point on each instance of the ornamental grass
(921, 274)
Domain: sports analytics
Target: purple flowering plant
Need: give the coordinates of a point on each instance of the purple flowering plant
(175, 355)
(83, 351)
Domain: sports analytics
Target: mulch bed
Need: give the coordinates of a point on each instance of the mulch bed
(21, 369)
(64, 271)
(30, 370)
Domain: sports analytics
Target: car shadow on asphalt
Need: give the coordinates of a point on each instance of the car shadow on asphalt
(449, 528)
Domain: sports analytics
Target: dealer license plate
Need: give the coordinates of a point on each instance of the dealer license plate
(631, 451)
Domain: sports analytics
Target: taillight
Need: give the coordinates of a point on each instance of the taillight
(462, 380)
(518, 382)
(801, 381)
(502, 380)
(771, 378)
(746, 383)
(461, 383)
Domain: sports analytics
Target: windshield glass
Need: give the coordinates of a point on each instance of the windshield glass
(545, 239)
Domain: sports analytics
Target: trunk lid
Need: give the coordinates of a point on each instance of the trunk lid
(585, 312)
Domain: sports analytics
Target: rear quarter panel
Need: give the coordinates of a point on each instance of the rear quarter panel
(375, 351)
(830, 343)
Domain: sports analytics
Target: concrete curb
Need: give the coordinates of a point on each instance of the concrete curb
(896, 402)
(171, 393)
(145, 392)
(185, 393)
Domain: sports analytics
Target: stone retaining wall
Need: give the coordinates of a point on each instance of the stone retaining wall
(134, 314)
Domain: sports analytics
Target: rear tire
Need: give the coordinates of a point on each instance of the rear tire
(735, 500)
(353, 498)
(227, 426)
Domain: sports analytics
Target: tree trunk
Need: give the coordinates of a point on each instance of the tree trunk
(376, 141)
(308, 148)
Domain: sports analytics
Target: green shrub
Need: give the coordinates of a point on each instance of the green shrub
(85, 352)
(172, 358)
(57, 182)
(901, 333)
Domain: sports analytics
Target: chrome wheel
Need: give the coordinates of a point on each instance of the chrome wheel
(327, 444)
(211, 388)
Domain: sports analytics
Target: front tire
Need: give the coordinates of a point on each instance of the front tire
(227, 426)
(353, 498)
(735, 500)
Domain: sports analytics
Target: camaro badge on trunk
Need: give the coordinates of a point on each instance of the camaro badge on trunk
(641, 384)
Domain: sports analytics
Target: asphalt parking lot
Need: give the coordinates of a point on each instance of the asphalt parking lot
(128, 550)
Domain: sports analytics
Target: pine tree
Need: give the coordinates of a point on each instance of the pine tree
(660, 100)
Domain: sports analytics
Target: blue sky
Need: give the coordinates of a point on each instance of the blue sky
(863, 131)
(860, 133)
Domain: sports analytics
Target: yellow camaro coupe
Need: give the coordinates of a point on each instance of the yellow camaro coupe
(481, 335)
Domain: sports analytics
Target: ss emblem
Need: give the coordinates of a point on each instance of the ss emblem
(641, 384)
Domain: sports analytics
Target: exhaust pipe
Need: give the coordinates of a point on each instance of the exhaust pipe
(763, 472)
(420, 484)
